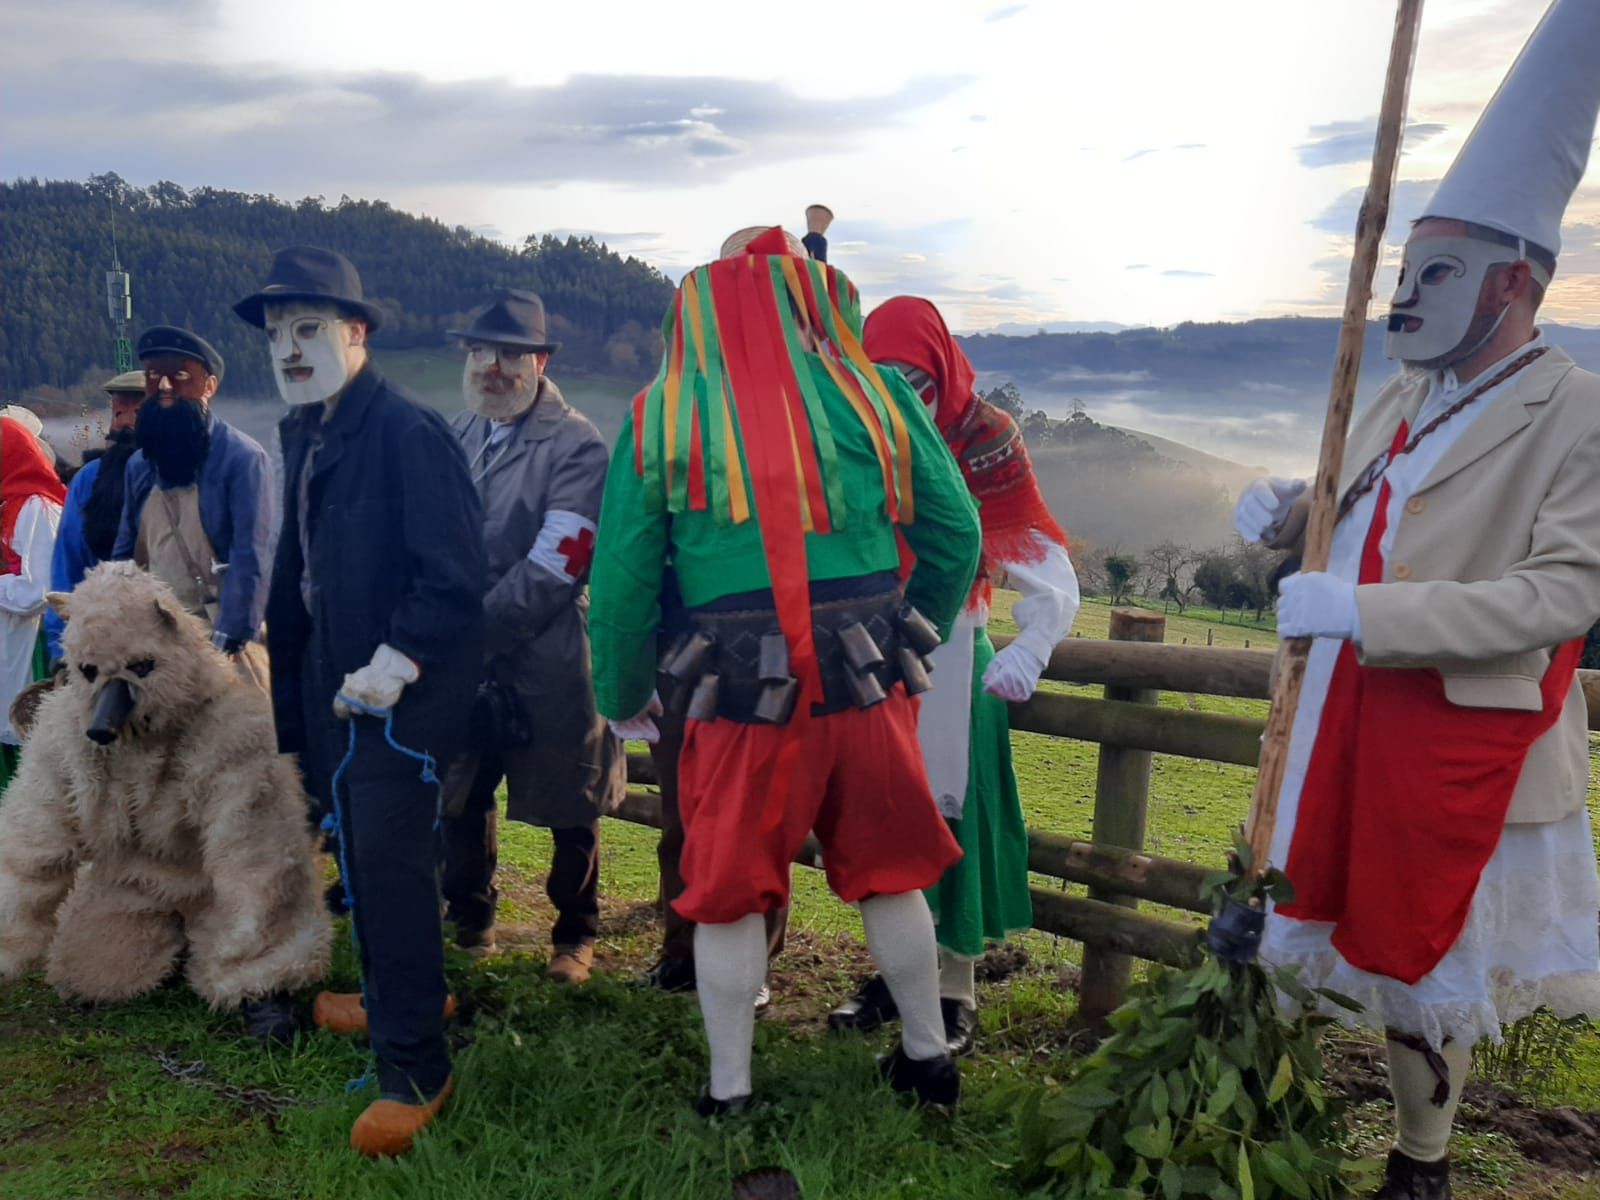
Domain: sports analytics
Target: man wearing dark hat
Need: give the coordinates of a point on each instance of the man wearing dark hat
(197, 506)
(540, 468)
(93, 510)
(375, 627)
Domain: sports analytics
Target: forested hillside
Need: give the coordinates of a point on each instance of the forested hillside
(192, 254)
(1116, 490)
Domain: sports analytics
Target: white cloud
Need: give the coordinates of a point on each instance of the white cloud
(1142, 164)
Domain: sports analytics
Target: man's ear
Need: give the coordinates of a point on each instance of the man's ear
(358, 331)
(60, 602)
(1520, 278)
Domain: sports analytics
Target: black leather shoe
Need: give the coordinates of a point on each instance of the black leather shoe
(1407, 1179)
(672, 975)
(867, 1010)
(936, 1081)
(271, 1019)
(708, 1106)
(960, 1026)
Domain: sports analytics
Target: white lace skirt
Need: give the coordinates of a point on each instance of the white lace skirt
(1531, 940)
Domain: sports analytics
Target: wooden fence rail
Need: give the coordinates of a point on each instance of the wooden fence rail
(1128, 725)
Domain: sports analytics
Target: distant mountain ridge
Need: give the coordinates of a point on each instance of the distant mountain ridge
(1286, 354)
(1252, 392)
(1290, 351)
(1027, 329)
(1118, 489)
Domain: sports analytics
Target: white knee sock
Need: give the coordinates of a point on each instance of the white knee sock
(956, 981)
(1422, 1127)
(730, 963)
(900, 936)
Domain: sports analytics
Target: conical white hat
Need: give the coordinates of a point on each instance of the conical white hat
(1526, 154)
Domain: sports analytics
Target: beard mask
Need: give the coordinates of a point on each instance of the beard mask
(308, 343)
(174, 437)
(498, 383)
(1433, 318)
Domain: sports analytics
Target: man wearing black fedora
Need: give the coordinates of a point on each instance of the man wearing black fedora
(375, 626)
(540, 468)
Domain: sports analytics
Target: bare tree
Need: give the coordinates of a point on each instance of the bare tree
(1170, 570)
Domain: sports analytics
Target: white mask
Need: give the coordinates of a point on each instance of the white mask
(921, 383)
(498, 382)
(1440, 279)
(308, 343)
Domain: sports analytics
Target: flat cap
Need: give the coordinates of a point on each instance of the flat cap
(128, 381)
(169, 339)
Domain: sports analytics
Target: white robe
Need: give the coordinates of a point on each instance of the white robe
(1044, 616)
(33, 539)
(1531, 937)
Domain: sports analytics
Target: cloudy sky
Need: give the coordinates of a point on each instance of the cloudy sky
(1148, 161)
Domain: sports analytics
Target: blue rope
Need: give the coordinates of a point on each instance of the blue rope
(334, 824)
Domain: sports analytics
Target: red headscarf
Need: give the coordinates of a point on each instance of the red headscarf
(25, 472)
(909, 330)
(985, 440)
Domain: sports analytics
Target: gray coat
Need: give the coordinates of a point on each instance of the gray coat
(536, 619)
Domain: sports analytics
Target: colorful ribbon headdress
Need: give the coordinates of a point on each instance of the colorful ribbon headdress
(735, 425)
(739, 338)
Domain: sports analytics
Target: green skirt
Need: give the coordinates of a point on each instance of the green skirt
(984, 897)
(10, 756)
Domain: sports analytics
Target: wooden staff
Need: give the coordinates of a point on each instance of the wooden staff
(1370, 225)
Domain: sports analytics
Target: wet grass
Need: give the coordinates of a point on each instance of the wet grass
(584, 1093)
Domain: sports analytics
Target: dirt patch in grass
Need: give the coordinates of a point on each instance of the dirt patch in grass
(815, 972)
(1561, 1138)
(1002, 962)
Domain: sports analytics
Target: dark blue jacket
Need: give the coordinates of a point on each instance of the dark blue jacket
(236, 513)
(397, 557)
(72, 558)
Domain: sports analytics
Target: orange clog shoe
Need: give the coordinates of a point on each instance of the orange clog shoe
(344, 1012)
(387, 1127)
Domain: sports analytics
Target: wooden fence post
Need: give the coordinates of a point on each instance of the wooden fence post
(1121, 803)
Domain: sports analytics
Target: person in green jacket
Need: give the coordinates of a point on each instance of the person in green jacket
(786, 481)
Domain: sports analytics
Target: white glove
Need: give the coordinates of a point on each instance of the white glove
(1013, 673)
(1264, 506)
(1315, 604)
(639, 727)
(378, 684)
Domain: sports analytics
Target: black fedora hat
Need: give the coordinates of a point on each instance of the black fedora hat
(310, 273)
(513, 318)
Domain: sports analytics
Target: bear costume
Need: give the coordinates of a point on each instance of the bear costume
(153, 813)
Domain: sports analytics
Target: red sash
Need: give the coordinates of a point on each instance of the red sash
(1405, 799)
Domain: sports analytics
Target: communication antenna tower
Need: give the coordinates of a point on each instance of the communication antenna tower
(119, 303)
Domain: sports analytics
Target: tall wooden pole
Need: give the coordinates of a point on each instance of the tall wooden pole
(1341, 399)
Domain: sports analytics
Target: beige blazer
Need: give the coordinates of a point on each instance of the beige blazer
(1496, 559)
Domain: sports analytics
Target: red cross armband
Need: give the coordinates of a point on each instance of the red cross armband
(565, 545)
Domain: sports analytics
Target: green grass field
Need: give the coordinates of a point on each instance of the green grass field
(584, 1094)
